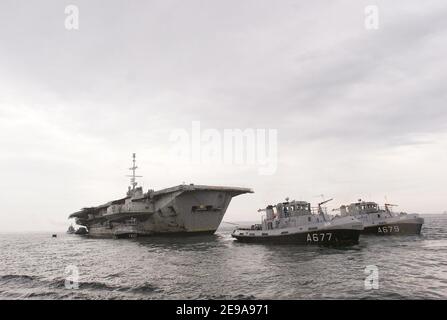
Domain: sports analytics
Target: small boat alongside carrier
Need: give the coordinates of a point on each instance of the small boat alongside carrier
(71, 229)
(296, 222)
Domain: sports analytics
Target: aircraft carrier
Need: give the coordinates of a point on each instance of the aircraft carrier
(183, 209)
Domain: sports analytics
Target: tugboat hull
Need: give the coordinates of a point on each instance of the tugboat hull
(333, 237)
(394, 229)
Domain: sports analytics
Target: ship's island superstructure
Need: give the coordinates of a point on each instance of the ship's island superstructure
(184, 209)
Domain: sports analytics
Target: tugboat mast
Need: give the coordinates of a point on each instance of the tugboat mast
(133, 181)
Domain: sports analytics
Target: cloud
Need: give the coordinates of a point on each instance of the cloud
(357, 111)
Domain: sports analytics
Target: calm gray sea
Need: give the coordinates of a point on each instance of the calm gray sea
(34, 266)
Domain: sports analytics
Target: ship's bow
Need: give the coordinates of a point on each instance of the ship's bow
(192, 209)
(203, 207)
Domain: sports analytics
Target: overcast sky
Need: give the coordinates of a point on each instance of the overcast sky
(359, 113)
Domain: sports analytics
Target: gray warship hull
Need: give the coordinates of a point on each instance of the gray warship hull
(184, 209)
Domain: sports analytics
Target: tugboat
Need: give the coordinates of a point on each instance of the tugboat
(383, 221)
(296, 222)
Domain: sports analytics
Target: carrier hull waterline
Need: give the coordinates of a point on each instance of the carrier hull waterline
(184, 209)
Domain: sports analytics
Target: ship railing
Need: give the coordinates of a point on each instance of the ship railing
(253, 227)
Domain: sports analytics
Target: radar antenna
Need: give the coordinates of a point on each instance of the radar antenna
(133, 181)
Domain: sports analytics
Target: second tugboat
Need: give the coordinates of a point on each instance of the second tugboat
(383, 221)
(296, 222)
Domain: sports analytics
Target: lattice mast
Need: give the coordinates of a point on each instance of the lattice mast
(133, 177)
